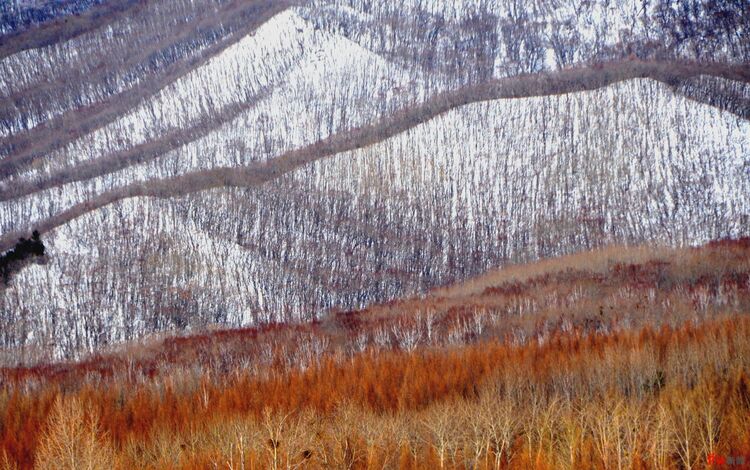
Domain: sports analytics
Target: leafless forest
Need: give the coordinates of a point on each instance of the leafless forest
(253, 162)
(476, 234)
(617, 358)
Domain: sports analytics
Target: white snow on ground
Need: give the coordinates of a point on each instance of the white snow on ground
(647, 119)
(633, 153)
(350, 86)
(476, 187)
(343, 82)
(628, 162)
(61, 71)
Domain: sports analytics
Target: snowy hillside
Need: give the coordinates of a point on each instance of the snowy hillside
(269, 113)
(480, 186)
(220, 163)
(244, 93)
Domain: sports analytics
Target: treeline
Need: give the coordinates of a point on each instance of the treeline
(566, 81)
(621, 358)
(667, 398)
(24, 250)
(16, 16)
(472, 41)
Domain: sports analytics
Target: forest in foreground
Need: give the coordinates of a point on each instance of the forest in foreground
(617, 358)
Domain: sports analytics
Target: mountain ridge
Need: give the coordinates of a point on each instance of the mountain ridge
(549, 84)
(349, 153)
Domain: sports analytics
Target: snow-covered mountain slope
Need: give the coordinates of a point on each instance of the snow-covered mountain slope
(326, 86)
(215, 162)
(477, 187)
(30, 203)
(468, 40)
(316, 84)
(54, 94)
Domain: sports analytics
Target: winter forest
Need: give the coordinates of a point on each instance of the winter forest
(471, 234)
(128, 169)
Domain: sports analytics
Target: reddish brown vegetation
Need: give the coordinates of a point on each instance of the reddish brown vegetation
(573, 391)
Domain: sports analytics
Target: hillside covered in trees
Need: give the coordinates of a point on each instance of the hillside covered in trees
(251, 162)
(618, 358)
(356, 234)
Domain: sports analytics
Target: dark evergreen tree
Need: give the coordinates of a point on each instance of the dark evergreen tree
(24, 249)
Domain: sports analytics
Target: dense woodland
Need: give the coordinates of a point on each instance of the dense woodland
(356, 234)
(18, 15)
(461, 198)
(184, 185)
(627, 358)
